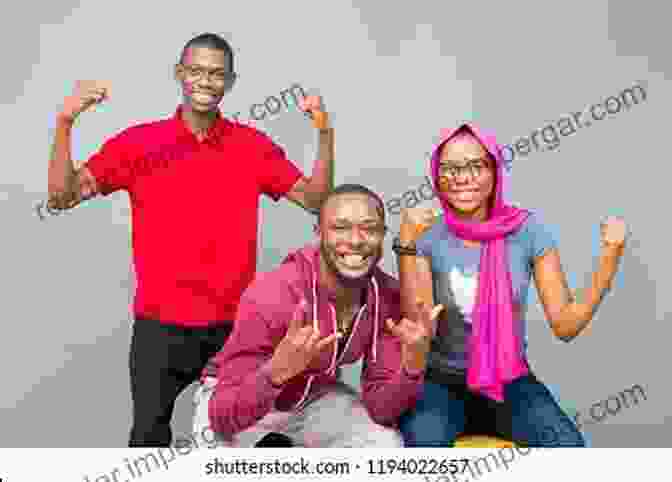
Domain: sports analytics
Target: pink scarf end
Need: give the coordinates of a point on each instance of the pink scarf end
(495, 389)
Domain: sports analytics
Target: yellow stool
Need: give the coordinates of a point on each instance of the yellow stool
(467, 441)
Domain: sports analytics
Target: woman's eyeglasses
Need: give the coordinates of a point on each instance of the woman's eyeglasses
(475, 169)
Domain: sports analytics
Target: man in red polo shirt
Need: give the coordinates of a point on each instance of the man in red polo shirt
(194, 182)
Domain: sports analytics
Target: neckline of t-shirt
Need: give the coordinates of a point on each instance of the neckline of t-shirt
(457, 242)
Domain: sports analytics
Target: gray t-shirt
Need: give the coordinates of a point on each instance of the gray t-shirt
(455, 274)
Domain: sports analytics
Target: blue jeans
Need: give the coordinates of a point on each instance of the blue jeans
(529, 416)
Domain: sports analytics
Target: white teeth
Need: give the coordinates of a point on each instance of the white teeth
(466, 194)
(353, 260)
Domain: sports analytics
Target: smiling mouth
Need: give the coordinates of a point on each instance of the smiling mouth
(204, 95)
(466, 194)
(354, 261)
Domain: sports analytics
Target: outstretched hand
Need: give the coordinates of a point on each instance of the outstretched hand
(301, 344)
(416, 336)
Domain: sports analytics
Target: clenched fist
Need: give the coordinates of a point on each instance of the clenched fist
(415, 221)
(613, 232)
(312, 105)
(86, 94)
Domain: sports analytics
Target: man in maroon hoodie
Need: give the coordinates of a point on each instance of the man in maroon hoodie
(325, 306)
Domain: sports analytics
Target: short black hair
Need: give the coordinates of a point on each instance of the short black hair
(210, 41)
(354, 189)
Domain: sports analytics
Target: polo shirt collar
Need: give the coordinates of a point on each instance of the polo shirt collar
(214, 133)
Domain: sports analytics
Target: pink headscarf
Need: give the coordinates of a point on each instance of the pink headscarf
(494, 348)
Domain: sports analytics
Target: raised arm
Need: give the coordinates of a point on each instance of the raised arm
(415, 273)
(568, 315)
(309, 192)
(68, 186)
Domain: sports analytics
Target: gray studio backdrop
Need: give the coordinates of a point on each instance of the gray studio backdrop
(393, 74)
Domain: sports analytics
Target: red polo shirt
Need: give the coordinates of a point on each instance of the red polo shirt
(195, 210)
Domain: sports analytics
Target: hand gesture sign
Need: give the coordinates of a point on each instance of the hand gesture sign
(298, 348)
(416, 336)
(312, 105)
(613, 232)
(87, 93)
(415, 221)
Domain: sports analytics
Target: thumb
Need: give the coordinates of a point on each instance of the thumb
(107, 87)
(431, 324)
(436, 312)
(393, 327)
(327, 340)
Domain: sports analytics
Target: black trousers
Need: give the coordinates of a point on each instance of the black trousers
(163, 361)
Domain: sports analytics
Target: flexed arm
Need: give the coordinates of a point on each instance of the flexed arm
(415, 273)
(68, 186)
(309, 193)
(570, 316)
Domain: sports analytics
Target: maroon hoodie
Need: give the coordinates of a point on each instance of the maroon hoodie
(244, 393)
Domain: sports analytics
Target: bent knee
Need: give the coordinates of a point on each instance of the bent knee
(201, 421)
(428, 430)
(387, 437)
(567, 436)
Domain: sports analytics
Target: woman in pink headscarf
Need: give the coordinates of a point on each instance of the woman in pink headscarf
(477, 261)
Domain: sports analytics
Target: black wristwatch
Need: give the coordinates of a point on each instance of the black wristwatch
(405, 249)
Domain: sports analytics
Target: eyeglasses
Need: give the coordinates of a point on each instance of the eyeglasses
(475, 169)
(217, 75)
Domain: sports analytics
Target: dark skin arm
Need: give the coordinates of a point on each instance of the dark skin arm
(69, 186)
(415, 272)
(310, 192)
(568, 315)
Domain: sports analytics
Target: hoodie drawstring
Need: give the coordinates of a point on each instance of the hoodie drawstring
(332, 367)
(376, 313)
(316, 326)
